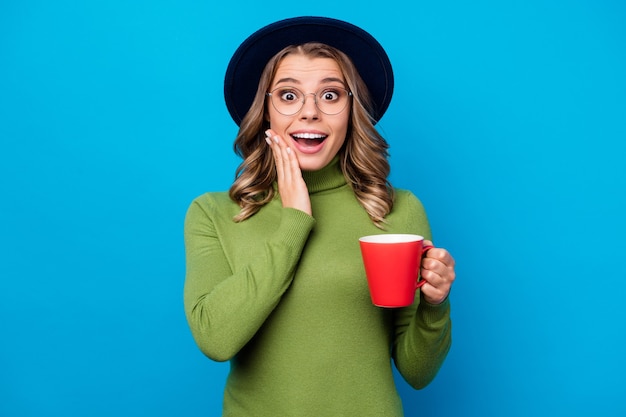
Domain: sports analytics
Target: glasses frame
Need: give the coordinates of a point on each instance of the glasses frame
(304, 97)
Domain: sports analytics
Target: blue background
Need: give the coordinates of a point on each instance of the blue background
(508, 122)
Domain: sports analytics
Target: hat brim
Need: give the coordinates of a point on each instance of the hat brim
(244, 70)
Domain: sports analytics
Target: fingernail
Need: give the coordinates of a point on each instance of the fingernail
(267, 133)
(288, 151)
(269, 142)
(276, 139)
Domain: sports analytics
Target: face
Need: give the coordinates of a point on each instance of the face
(316, 137)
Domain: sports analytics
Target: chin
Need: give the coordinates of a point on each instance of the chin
(313, 164)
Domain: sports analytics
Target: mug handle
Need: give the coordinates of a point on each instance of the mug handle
(420, 282)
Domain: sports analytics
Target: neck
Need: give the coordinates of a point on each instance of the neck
(326, 178)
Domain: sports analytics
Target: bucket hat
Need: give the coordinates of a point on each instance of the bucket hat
(247, 63)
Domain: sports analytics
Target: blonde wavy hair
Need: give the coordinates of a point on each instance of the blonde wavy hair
(363, 157)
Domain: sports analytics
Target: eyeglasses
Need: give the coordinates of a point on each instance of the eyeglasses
(329, 100)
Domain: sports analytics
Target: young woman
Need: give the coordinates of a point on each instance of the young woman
(275, 281)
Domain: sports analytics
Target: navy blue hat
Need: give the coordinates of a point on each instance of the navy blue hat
(249, 60)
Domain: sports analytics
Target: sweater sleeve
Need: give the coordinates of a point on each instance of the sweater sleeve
(226, 307)
(422, 331)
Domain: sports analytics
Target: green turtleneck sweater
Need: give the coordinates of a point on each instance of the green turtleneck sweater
(283, 297)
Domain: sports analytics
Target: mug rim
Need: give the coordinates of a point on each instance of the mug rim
(388, 238)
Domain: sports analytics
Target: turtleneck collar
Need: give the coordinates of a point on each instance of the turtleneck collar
(326, 178)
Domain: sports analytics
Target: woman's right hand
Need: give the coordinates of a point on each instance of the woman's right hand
(291, 185)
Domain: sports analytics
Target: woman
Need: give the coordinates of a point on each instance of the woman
(275, 282)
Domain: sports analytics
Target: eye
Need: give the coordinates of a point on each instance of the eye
(288, 95)
(330, 95)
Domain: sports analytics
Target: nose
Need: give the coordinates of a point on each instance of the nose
(309, 107)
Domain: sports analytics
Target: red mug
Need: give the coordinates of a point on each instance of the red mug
(392, 264)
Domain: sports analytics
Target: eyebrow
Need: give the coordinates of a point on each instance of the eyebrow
(323, 81)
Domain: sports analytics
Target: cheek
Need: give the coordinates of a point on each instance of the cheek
(276, 120)
(339, 145)
(342, 129)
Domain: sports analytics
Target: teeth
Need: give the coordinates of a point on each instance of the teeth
(308, 136)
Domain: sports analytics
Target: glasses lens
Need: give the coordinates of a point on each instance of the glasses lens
(329, 100)
(332, 100)
(287, 100)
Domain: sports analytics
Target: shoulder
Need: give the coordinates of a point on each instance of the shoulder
(407, 200)
(213, 204)
(212, 198)
(408, 214)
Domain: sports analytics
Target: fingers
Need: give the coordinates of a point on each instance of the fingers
(287, 165)
(291, 185)
(280, 152)
(438, 271)
(440, 256)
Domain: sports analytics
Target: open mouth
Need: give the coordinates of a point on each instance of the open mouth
(309, 139)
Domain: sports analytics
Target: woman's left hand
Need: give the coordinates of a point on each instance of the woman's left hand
(438, 271)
